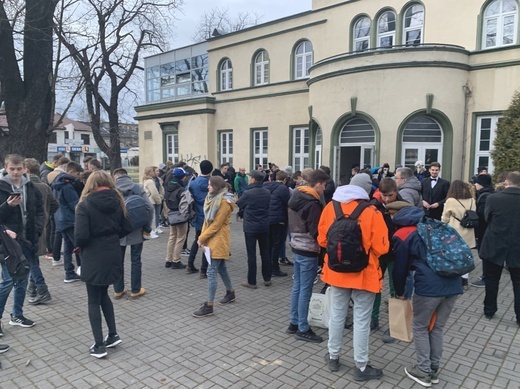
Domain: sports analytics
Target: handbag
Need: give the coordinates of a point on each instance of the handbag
(400, 317)
(175, 217)
(318, 315)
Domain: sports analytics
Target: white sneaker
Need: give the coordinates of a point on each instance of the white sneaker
(158, 230)
(57, 263)
(153, 235)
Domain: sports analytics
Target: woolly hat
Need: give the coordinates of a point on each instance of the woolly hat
(257, 175)
(362, 180)
(288, 169)
(206, 167)
(484, 180)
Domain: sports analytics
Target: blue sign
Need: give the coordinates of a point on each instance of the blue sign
(61, 149)
(124, 151)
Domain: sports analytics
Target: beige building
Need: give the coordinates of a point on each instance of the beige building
(360, 81)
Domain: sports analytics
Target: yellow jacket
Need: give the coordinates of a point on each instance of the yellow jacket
(216, 235)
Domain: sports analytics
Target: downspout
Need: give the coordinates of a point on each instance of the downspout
(467, 96)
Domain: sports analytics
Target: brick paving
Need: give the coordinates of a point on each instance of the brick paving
(244, 345)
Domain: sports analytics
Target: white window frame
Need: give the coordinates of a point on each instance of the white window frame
(493, 133)
(262, 68)
(260, 147)
(413, 27)
(386, 34)
(301, 148)
(305, 57)
(318, 140)
(172, 146)
(226, 75)
(499, 19)
(363, 39)
(226, 147)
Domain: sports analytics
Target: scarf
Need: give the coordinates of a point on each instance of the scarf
(213, 201)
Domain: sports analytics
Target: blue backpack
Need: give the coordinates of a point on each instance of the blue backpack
(136, 211)
(446, 252)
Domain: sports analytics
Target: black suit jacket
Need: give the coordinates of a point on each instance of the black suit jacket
(437, 194)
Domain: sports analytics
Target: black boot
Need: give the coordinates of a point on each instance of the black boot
(31, 290)
(42, 296)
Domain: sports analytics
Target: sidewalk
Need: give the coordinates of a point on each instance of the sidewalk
(244, 345)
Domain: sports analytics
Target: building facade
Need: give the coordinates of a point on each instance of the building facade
(348, 82)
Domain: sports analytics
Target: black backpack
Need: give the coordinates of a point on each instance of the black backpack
(470, 218)
(344, 241)
(13, 258)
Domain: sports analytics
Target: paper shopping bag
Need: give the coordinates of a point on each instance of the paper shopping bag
(319, 310)
(400, 317)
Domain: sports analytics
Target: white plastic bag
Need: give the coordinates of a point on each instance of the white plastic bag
(319, 310)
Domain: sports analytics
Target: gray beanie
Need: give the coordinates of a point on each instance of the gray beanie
(362, 180)
(257, 175)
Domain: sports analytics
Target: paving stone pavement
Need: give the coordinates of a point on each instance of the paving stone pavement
(244, 345)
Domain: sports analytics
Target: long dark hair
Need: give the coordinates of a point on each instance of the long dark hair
(459, 190)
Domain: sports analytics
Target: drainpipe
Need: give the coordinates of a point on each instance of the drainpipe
(467, 96)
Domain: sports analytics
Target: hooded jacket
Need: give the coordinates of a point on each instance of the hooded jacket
(410, 191)
(410, 254)
(278, 204)
(100, 225)
(375, 240)
(199, 189)
(304, 215)
(128, 187)
(28, 225)
(45, 169)
(255, 206)
(63, 188)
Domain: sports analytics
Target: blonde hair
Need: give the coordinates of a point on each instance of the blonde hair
(148, 172)
(99, 179)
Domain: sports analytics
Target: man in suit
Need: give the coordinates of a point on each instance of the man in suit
(434, 192)
(501, 245)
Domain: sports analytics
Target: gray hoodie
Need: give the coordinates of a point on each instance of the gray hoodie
(410, 191)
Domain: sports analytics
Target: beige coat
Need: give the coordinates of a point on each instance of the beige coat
(155, 196)
(216, 235)
(452, 208)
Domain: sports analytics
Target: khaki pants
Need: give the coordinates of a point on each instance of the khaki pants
(175, 242)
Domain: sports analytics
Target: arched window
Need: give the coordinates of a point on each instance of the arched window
(262, 68)
(303, 59)
(500, 24)
(413, 25)
(422, 141)
(386, 29)
(362, 34)
(226, 75)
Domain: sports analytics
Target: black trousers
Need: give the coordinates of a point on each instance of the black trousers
(276, 240)
(263, 244)
(98, 300)
(193, 253)
(492, 274)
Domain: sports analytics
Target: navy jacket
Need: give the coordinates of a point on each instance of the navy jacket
(63, 188)
(199, 190)
(410, 254)
(280, 195)
(254, 204)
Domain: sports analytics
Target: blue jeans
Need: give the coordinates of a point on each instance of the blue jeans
(157, 209)
(69, 245)
(19, 292)
(363, 303)
(217, 266)
(35, 273)
(135, 269)
(305, 270)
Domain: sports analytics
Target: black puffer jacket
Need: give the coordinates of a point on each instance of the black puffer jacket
(254, 204)
(100, 223)
(11, 217)
(280, 195)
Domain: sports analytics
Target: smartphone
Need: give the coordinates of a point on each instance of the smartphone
(15, 194)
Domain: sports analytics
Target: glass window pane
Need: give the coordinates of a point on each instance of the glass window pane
(508, 6)
(485, 123)
(483, 161)
(182, 65)
(183, 78)
(167, 69)
(153, 72)
(431, 155)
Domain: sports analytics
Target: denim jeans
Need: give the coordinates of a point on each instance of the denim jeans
(305, 270)
(19, 292)
(286, 234)
(492, 275)
(193, 253)
(363, 303)
(69, 245)
(428, 344)
(263, 243)
(157, 215)
(35, 273)
(217, 266)
(135, 269)
(276, 241)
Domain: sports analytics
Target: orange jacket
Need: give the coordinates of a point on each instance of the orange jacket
(375, 240)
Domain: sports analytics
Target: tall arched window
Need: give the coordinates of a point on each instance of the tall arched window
(262, 68)
(226, 75)
(413, 25)
(362, 34)
(422, 141)
(386, 29)
(303, 59)
(500, 24)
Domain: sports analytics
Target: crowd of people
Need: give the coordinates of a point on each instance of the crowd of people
(60, 208)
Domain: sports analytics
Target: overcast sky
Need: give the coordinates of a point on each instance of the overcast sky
(189, 18)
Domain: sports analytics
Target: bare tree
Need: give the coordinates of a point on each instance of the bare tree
(26, 75)
(221, 21)
(106, 38)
